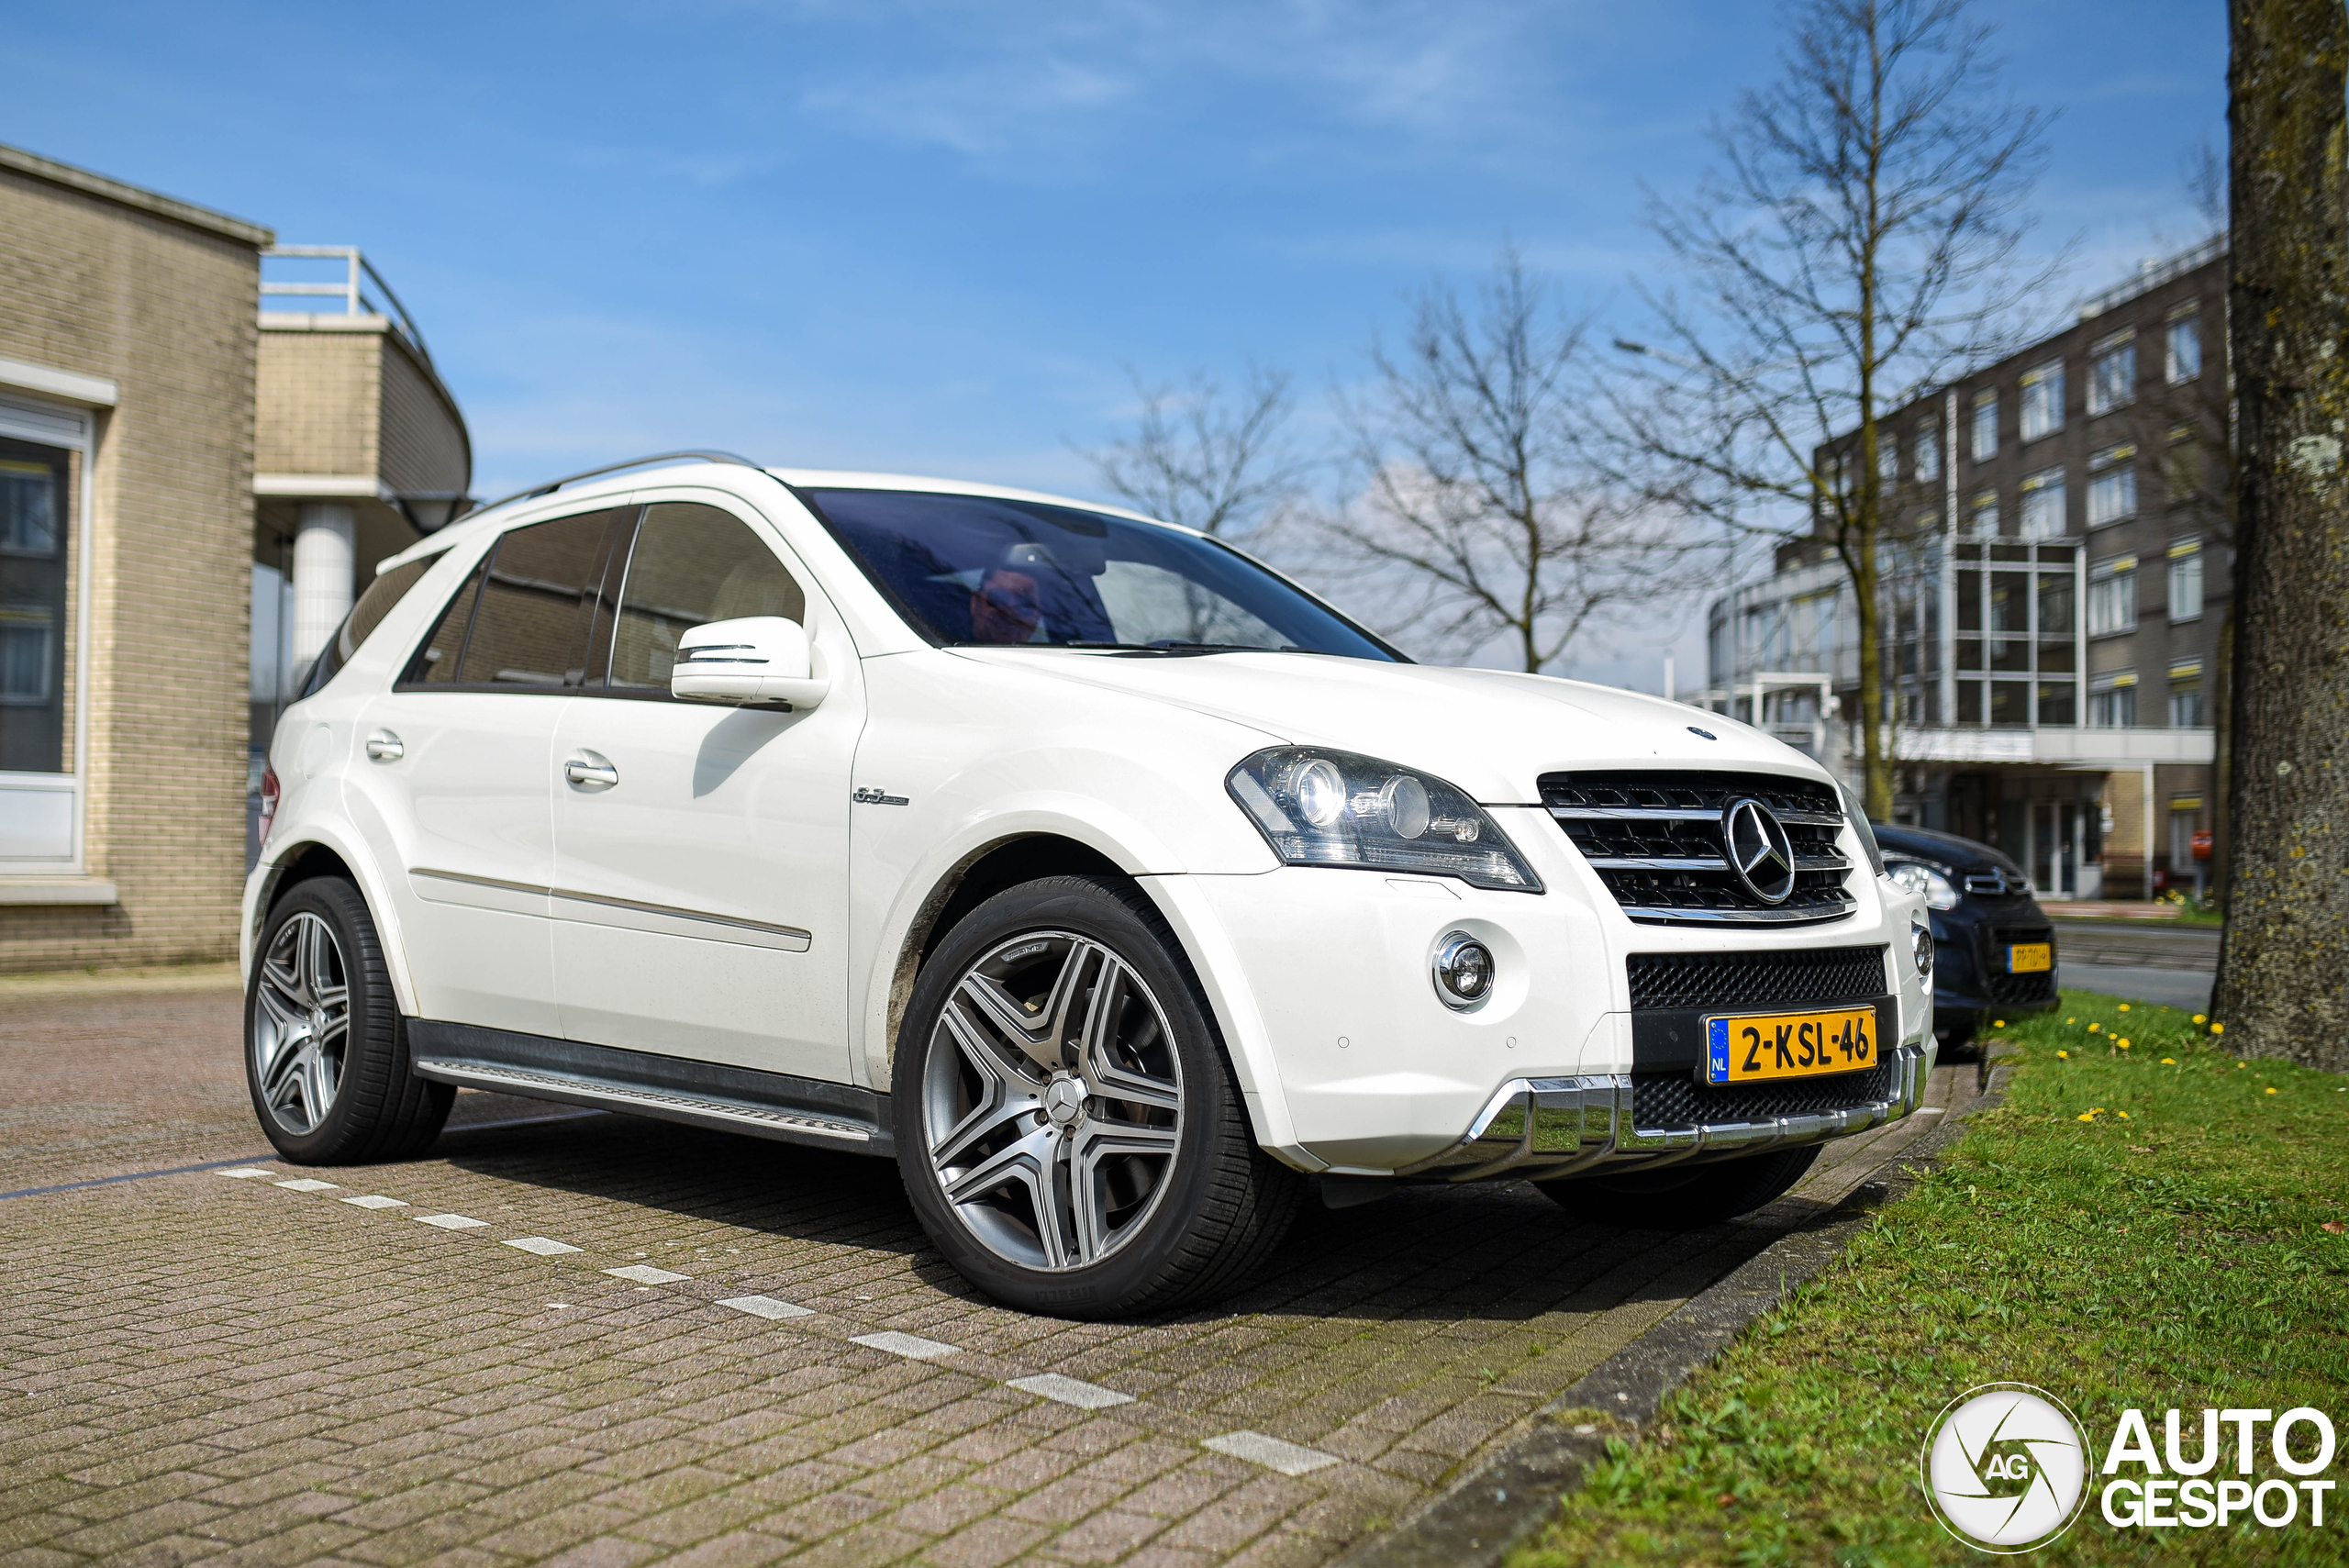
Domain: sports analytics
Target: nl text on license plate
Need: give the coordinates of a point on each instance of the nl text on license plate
(1744, 1049)
(2031, 958)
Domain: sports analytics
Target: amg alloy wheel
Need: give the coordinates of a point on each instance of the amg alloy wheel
(1067, 1124)
(326, 1050)
(1052, 1101)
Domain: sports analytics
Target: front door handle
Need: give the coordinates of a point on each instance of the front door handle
(589, 771)
(385, 747)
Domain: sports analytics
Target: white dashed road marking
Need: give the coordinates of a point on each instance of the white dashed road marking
(247, 1174)
(645, 1273)
(371, 1201)
(451, 1221)
(912, 1346)
(766, 1306)
(541, 1246)
(307, 1184)
(1070, 1391)
(1289, 1459)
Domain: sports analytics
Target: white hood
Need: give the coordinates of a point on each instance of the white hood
(1491, 732)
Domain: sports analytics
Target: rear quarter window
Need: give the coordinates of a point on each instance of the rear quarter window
(382, 596)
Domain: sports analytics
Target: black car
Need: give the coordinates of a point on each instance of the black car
(1994, 952)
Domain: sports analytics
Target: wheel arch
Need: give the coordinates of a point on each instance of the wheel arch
(319, 850)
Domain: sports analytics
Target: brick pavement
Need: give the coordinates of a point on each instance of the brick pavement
(216, 1369)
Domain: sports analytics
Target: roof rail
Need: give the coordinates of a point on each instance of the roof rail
(551, 485)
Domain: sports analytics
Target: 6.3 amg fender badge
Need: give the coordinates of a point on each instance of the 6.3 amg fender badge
(869, 796)
(1754, 843)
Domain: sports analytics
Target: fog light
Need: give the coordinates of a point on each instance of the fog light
(1921, 940)
(1463, 971)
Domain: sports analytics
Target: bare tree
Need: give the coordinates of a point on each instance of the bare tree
(1223, 465)
(2283, 981)
(1476, 507)
(1857, 246)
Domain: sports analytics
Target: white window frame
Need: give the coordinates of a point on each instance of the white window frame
(1986, 418)
(2191, 326)
(2111, 473)
(2102, 576)
(2105, 692)
(2107, 392)
(37, 421)
(2040, 413)
(1928, 445)
(2183, 553)
(2040, 492)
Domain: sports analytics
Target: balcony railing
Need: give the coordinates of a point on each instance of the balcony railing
(361, 291)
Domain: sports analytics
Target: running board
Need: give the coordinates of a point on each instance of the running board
(699, 1094)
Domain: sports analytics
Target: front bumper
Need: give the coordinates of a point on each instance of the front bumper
(1537, 1128)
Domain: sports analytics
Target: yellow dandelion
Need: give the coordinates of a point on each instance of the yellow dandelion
(2121, 1043)
(2071, 1020)
(1998, 1023)
(2063, 1056)
(2271, 1088)
(2096, 1029)
(2218, 1029)
(2124, 1007)
(2199, 1019)
(2169, 1061)
(2122, 1114)
(2239, 1066)
(2085, 1116)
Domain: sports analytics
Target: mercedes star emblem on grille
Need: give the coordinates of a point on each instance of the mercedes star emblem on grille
(1754, 843)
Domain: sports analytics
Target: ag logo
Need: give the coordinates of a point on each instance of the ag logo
(2005, 1468)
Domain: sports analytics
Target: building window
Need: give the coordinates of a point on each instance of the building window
(1929, 455)
(2112, 596)
(2112, 486)
(1985, 427)
(2113, 702)
(1984, 520)
(1887, 458)
(33, 528)
(2186, 704)
(2185, 349)
(2043, 504)
(2184, 463)
(2042, 400)
(2186, 581)
(2112, 374)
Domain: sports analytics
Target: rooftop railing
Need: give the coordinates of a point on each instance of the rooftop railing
(2151, 275)
(361, 291)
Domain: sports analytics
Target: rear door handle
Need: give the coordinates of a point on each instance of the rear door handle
(591, 772)
(385, 747)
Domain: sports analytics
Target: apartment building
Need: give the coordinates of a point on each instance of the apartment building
(139, 376)
(2053, 599)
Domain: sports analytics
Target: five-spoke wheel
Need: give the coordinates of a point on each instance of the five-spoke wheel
(1066, 1121)
(1052, 1102)
(326, 1051)
(301, 1023)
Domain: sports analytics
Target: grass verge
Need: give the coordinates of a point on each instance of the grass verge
(2152, 1224)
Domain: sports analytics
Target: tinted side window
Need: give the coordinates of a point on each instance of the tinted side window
(436, 663)
(538, 603)
(692, 564)
(365, 615)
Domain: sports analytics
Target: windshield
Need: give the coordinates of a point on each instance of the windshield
(974, 570)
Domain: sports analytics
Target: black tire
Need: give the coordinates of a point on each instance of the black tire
(1205, 1217)
(1683, 1197)
(375, 1108)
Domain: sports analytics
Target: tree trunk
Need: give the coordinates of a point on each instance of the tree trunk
(2283, 985)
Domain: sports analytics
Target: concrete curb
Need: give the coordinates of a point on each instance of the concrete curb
(1478, 1519)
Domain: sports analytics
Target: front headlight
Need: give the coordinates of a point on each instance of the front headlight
(1337, 809)
(1937, 889)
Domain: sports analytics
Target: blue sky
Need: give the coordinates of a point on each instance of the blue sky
(932, 236)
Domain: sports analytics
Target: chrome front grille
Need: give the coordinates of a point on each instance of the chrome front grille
(1654, 838)
(1996, 885)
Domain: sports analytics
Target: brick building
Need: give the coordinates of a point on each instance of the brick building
(138, 380)
(2051, 627)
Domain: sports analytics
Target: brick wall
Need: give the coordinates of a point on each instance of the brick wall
(165, 308)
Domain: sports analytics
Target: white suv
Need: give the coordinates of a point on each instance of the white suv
(1108, 879)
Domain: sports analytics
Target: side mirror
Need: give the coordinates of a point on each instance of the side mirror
(758, 659)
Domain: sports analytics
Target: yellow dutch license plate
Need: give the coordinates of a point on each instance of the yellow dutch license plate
(1745, 1049)
(2031, 958)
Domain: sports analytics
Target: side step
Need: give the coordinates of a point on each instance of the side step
(700, 1094)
